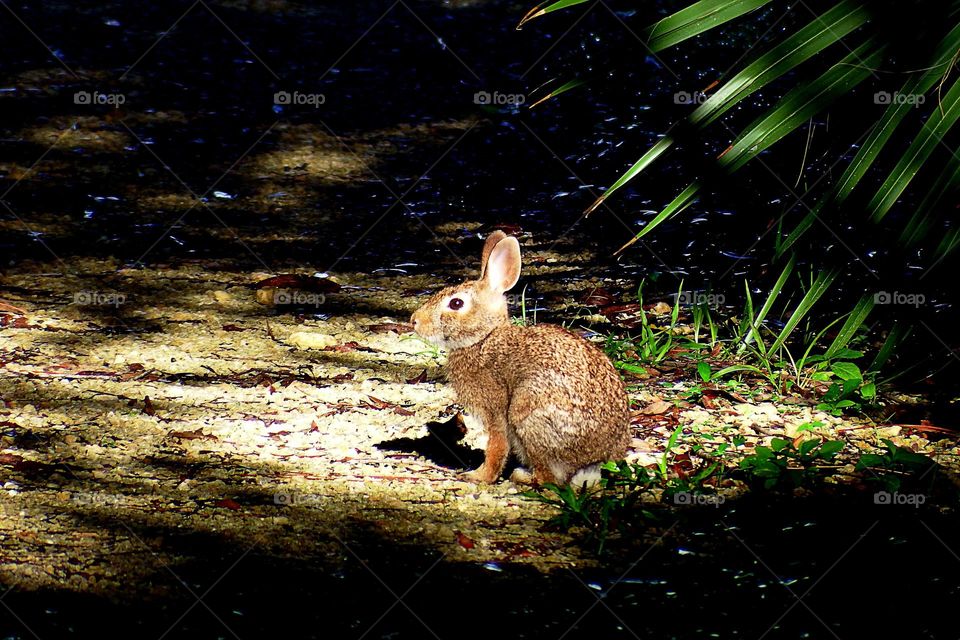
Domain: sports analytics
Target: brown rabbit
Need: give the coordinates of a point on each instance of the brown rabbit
(548, 395)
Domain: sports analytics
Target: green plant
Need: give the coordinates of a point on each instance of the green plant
(707, 374)
(892, 64)
(702, 318)
(429, 349)
(616, 502)
(771, 350)
(784, 464)
(652, 344)
(522, 320)
(667, 451)
(848, 388)
(897, 464)
(613, 504)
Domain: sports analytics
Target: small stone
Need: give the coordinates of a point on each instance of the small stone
(311, 340)
(221, 297)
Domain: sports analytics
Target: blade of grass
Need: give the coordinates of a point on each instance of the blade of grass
(652, 154)
(950, 242)
(916, 84)
(921, 219)
(853, 323)
(821, 283)
(801, 228)
(775, 291)
(897, 333)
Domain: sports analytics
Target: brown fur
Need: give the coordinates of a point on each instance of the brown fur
(547, 395)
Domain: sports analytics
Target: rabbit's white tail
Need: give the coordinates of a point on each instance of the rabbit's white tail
(588, 475)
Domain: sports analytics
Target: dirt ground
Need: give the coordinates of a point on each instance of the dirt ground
(174, 400)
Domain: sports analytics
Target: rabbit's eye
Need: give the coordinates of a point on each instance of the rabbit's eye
(455, 304)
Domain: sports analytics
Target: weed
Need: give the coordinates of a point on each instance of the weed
(785, 464)
(897, 464)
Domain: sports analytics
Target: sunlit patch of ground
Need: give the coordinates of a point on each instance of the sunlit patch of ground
(150, 401)
(89, 132)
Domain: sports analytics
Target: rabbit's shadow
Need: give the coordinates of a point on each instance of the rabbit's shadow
(442, 445)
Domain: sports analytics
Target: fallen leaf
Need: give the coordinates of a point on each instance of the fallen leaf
(346, 347)
(656, 408)
(418, 379)
(303, 283)
(10, 459)
(464, 541)
(377, 403)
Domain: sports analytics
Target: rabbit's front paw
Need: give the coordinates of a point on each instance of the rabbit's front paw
(481, 475)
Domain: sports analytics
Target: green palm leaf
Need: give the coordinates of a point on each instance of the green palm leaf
(798, 106)
(819, 34)
(940, 121)
(822, 32)
(538, 11)
(695, 19)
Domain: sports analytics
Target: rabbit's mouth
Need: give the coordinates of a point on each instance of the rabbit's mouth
(429, 332)
(437, 339)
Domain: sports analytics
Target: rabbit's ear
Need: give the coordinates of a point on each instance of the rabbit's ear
(503, 265)
(488, 246)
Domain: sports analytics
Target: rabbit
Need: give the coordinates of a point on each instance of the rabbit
(549, 396)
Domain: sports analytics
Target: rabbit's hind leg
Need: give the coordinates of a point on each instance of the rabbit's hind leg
(537, 438)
